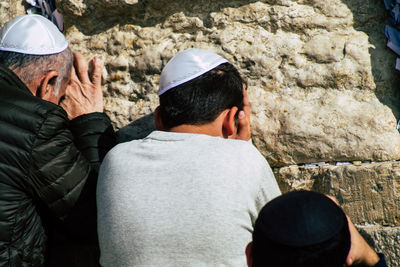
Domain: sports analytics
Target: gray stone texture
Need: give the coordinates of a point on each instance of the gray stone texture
(368, 193)
(10, 9)
(383, 238)
(320, 79)
(308, 65)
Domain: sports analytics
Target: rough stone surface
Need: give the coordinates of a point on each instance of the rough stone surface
(369, 193)
(9, 9)
(309, 70)
(320, 78)
(383, 239)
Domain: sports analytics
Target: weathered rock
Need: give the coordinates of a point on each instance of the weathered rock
(308, 69)
(84, 7)
(314, 126)
(383, 239)
(369, 193)
(10, 9)
(320, 78)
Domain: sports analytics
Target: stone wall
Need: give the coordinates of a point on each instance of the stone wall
(321, 82)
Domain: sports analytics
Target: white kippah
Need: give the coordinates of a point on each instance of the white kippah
(186, 66)
(33, 35)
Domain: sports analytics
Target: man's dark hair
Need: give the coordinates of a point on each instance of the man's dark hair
(202, 99)
(330, 253)
(28, 67)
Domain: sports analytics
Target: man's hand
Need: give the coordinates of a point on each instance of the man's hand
(83, 94)
(244, 131)
(360, 254)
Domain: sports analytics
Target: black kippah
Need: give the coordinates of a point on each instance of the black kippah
(300, 218)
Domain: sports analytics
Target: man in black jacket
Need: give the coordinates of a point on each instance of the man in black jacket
(53, 136)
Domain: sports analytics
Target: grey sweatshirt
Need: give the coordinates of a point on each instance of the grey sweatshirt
(176, 199)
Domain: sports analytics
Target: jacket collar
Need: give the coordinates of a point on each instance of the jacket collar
(9, 77)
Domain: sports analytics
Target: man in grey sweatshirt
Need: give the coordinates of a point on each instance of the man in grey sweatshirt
(189, 193)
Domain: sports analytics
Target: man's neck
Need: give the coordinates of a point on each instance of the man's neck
(207, 129)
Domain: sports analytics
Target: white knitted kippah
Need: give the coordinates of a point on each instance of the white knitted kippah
(186, 66)
(33, 35)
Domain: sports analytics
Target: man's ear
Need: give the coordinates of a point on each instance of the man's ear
(157, 120)
(248, 254)
(229, 125)
(46, 90)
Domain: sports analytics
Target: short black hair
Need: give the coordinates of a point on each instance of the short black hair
(330, 253)
(202, 99)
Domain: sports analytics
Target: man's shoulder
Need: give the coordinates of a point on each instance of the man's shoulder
(198, 149)
(121, 149)
(192, 142)
(241, 156)
(240, 146)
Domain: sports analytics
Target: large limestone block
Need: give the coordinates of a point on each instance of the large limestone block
(308, 69)
(369, 193)
(323, 125)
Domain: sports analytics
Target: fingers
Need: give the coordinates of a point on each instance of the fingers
(354, 237)
(360, 254)
(81, 67)
(246, 103)
(84, 94)
(73, 74)
(354, 243)
(97, 68)
(244, 130)
(75, 87)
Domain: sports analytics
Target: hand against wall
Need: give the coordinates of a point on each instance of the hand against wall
(360, 254)
(244, 131)
(84, 94)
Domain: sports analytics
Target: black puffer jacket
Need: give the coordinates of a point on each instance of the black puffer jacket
(46, 163)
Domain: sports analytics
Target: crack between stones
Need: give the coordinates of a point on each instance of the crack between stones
(333, 163)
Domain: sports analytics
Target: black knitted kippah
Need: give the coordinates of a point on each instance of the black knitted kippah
(300, 218)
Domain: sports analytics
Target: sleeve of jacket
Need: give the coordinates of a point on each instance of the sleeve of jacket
(64, 164)
(93, 136)
(382, 261)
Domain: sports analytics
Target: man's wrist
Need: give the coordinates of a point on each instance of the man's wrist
(381, 262)
(371, 258)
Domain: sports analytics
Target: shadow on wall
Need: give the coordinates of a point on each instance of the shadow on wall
(370, 17)
(96, 16)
